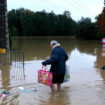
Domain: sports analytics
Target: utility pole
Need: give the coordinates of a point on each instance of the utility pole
(104, 3)
(4, 35)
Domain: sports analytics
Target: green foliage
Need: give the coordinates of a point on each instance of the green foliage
(23, 22)
(101, 22)
(88, 30)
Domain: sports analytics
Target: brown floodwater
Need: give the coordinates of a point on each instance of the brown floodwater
(86, 85)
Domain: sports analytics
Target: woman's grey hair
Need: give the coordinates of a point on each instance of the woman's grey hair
(54, 42)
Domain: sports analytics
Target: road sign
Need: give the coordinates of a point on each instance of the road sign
(2, 50)
(103, 40)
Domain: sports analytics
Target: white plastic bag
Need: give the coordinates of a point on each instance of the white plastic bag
(67, 74)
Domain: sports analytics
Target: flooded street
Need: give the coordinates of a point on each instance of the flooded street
(87, 83)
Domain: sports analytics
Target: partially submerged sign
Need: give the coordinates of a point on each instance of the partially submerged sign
(2, 50)
(103, 47)
(103, 40)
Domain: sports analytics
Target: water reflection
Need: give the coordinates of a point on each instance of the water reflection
(39, 48)
(61, 97)
(5, 76)
(87, 77)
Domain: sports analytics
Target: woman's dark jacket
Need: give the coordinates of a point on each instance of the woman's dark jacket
(57, 61)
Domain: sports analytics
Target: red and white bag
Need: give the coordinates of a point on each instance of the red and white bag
(45, 77)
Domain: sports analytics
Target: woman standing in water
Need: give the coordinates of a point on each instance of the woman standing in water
(57, 61)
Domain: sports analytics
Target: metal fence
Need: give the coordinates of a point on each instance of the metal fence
(12, 66)
(12, 57)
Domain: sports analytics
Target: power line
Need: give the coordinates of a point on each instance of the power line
(67, 4)
(71, 4)
(86, 14)
(83, 6)
(75, 7)
(50, 4)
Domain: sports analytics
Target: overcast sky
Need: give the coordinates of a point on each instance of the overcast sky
(77, 8)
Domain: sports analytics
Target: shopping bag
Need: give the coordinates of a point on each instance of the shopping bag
(67, 74)
(45, 77)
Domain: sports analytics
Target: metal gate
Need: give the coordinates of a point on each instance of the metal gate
(12, 57)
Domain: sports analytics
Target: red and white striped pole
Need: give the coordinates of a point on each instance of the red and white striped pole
(103, 46)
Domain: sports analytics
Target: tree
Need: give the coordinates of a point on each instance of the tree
(23, 22)
(86, 29)
(101, 20)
